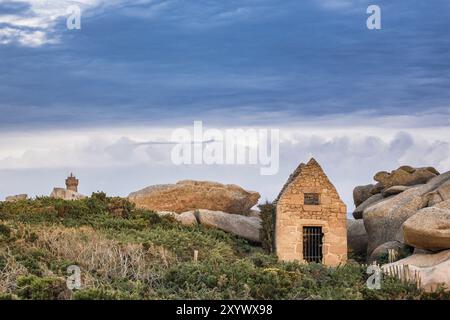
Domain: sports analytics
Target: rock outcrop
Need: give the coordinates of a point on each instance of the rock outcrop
(444, 191)
(245, 227)
(358, 213)
(394, 183)
(191, 195)
(384, 219)
(362, 193)
(64, 194)
(433, 269)
(392, 191)
(382, 251)
(405, 176)
(356, 237)
(428, 229)
(440, 194)
(408, 212)
(186, 218)
(443, 205)
(242, 226)
(16, 198)
(255, 213)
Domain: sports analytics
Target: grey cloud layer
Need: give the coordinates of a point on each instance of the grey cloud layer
(120, 165)
(156, 61)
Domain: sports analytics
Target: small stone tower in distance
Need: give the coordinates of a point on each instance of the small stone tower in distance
(72, 183)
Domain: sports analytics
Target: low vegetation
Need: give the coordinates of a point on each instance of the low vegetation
(267, 233)
(128, 253)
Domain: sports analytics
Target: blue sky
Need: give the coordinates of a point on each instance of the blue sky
(289, 64)
(153, 60)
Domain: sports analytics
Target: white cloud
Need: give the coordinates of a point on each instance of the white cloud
(36, 26)
(340, 4)
(39, 24)
(25, 37)
(112, 160)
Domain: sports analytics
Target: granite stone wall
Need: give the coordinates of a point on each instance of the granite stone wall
(292, 215)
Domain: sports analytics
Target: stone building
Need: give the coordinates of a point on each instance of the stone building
(70, 192)
(72, 183)
(310, 218)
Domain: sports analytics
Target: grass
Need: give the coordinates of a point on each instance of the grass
(127, 253)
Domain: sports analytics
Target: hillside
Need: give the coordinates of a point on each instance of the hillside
(129, 253)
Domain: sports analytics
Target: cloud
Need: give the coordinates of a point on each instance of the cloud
(188, 58)
(14, 7)
(340, 4)
(25, 37)
(33, 23)
(358, 101)
(122, 161)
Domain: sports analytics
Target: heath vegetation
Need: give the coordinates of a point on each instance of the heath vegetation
(128, 253)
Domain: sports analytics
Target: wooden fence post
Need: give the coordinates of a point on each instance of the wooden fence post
(195, 255)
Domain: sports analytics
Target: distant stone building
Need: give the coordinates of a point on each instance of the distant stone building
(70, 192)
(72, 183)
(310, 218)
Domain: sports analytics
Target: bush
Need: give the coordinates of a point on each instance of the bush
(130, 253)
(268, 226)
(119, 207)
(263, 260)
(90, 211)
(36, 288)
(402, 253)
(5, 231)
(6, 296)
(32, 259)
(102, 294)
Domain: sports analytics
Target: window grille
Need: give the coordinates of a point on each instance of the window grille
(312, 244)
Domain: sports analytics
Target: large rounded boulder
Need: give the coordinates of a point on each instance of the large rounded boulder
(15, 198)
(186, 218)
(384, 220)
(428, 229)
(358, 213)
(245, 227)
(382, 251)
(362, 193)
(405, 176)
(356, 237)
(433, 270)
(191, 195)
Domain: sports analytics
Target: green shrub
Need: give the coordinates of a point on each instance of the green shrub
(99, 196)
(6, 296)
(102, 294)
(268, 226)
(119, 207)
(5, 231)
(360, 258)
(3, 262)
(263, 260)
(46, 288)
(92, 211)
(32, 259)
(161, 252)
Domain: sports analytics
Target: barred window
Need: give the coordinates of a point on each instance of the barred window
(311, 199)
(312, 244)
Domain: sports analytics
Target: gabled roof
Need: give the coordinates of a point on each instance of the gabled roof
(294, 175)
